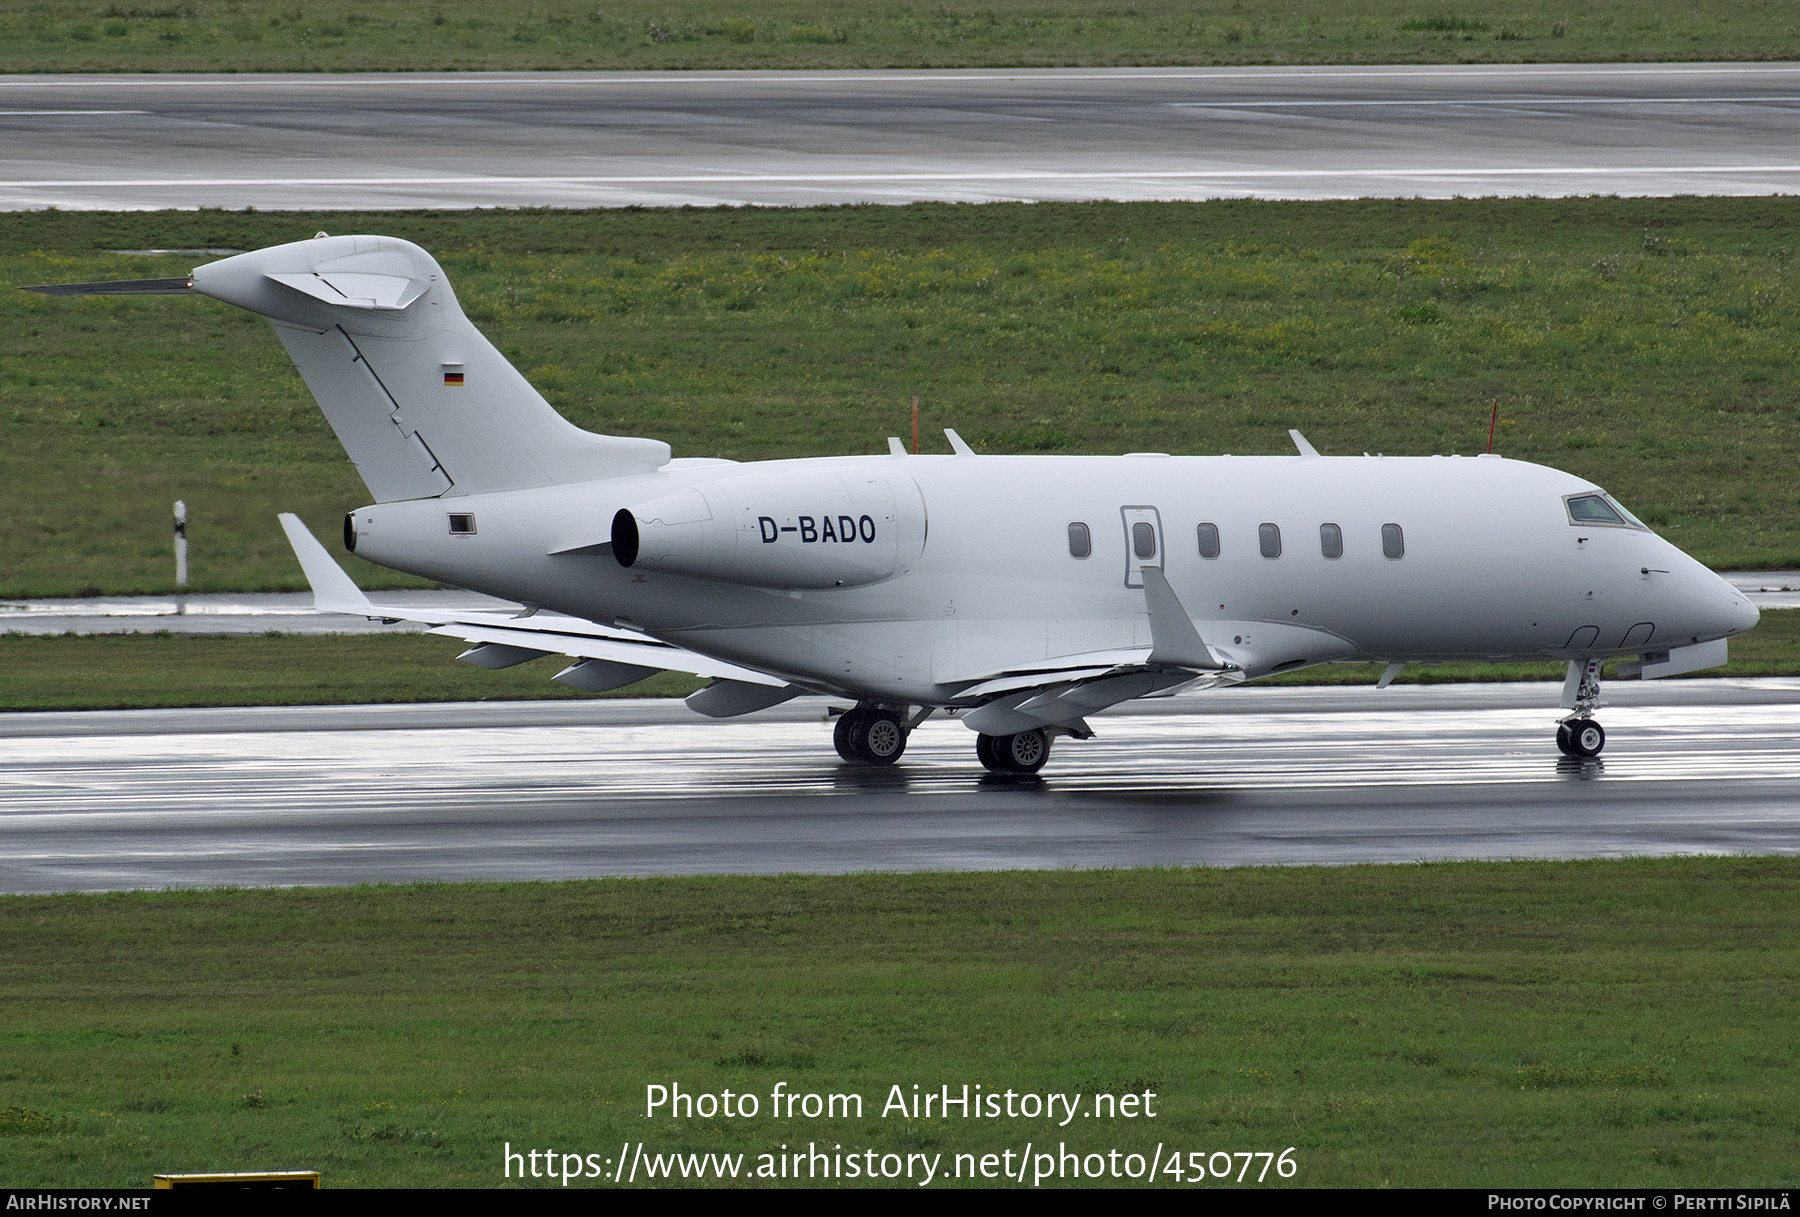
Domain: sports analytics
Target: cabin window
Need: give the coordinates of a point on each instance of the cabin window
(1393, 541)
(461, 525)
(1268, 536)
(1331, 540)
(1081, 542)
(1209, 540)
(1143, 540)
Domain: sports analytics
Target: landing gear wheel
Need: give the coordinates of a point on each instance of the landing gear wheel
(1564, 744)
(1025, 752)
(984, 752)
(880, 738)
(1586, 737)
(844, 735)
(869, 737)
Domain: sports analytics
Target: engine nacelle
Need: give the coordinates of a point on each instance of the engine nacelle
(808, 528)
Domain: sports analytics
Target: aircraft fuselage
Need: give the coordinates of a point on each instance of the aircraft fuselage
(1436, 558)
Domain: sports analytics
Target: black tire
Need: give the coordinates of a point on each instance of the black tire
(844, 736)
(1025, 752)
(1586, 737)
(1564, 744)
(881, 737)
(984, 752)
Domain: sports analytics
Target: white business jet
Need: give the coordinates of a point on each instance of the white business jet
(1019, 594)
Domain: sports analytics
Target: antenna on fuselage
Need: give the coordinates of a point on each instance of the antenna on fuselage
(1305, 448)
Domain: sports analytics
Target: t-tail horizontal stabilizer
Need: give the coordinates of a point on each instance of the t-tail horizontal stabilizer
(183, 286)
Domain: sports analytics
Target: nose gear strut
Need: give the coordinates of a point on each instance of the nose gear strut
(1578, 734)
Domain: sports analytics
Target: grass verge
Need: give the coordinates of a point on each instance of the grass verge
(1649, 344)
(1523, 1024)
(466, 35)
(139, 671)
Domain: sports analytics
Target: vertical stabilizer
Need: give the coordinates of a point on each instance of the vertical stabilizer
(423, 403)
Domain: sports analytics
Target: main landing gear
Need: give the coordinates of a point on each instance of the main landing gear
(876, 735)
(1579, 735)
(1025, 752)
(869, 735)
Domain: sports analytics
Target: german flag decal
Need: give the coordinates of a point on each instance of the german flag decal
(453, 378)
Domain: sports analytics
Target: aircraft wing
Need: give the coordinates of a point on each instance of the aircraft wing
(1063, 696)
(1063, 691)
(1058, 671)
(508, 639)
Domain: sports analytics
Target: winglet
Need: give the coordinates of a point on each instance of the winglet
(958, 444)
(1306, 449)
(1173, 638)
(333, 591)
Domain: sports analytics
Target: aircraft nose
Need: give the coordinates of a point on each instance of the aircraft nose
(1729, 611)
(1744, 615)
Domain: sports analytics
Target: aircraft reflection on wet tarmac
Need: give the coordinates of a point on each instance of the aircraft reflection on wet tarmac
(333, 795)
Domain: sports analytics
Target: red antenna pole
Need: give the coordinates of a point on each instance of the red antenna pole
(1492, 419)
(915, 426)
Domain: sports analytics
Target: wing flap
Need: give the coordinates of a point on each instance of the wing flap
(1048, 668)
(1033, 680)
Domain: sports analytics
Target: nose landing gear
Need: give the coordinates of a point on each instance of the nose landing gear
(1578, 734)
(1580, 737)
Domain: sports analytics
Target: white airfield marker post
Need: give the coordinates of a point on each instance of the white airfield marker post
(181, 571)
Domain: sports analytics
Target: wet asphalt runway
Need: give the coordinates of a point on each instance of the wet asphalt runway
(374, 140)
(333, 795)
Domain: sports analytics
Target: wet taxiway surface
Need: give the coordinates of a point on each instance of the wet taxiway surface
(333, 795)
(572, 139)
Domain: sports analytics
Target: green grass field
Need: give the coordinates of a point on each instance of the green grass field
(1648, 344)
(1608, 1024)
(132, 671)
(135, 671)
(464, 35)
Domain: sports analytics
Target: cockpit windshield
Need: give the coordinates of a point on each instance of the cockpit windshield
(1601, 509)
(1629, 518)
